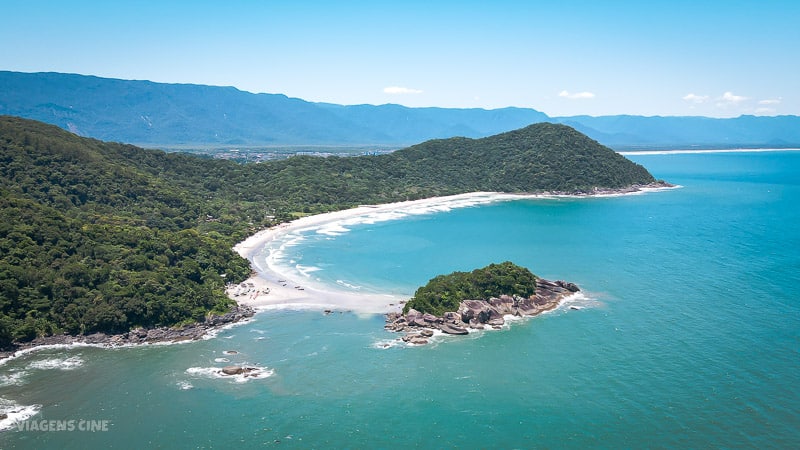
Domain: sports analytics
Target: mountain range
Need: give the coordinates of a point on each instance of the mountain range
(173, 115)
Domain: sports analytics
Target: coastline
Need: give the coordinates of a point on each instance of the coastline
(701, 151)
(269, 288)
(272, 288)
(239, 314)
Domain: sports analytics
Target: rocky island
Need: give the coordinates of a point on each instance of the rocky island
(479, 299)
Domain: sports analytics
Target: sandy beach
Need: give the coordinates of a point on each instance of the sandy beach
(269, 288)
(273, 288)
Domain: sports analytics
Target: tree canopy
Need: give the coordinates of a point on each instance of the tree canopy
(444, 292)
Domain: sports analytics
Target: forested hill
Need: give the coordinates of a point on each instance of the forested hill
(102, 236)
(92, 242)
(540, 157)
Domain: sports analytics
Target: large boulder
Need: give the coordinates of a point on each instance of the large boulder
(452, 317)
(504, 304)
(412, 314)
(156, 334)
(541, 300)
(233, 370)
(237, 370)
(419, 321)
(496, 322)
(415, 318)
(475, 324)
(430, 318)
(572, 287)
(493, 314)
(452, 329)
(526, 307)
(471, 309)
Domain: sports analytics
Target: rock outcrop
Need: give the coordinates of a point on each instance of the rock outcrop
(237, 370)
(479, 314)
(146, 336)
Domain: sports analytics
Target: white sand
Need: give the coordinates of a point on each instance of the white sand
(272, 289)
(268, 289)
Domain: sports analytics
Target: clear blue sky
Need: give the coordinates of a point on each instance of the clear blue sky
(562, 57)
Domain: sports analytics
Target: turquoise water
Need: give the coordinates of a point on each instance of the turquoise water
(690, 336)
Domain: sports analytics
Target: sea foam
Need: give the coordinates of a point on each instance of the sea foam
(216, 373)
(13, 378)
(275, 252)
(348, 285)
(73, 362)
(15, 413)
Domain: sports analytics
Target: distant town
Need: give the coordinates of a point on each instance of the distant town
(260, 154)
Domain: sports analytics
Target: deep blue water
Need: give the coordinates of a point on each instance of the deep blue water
(690, 337)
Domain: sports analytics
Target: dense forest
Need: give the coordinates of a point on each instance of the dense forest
(445, 292)
(99, 236)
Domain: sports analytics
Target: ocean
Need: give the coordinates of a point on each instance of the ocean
(688, 334)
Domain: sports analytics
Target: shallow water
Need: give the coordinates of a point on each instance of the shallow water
(690, 335)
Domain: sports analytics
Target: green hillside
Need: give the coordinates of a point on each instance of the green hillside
(444, 292)
(90, 242)
(102, 236)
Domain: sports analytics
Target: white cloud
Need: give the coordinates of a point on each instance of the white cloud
(694, 98)
(770, 101)
(576, 95)
(730, 98)
(398, 90)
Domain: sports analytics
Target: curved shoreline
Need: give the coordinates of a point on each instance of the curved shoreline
(268, 293)
(271, 288)
(274, 289)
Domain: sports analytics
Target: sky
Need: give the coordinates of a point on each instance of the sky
(564, 58)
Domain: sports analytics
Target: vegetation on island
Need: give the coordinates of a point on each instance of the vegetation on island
(104, 237)
(445, 292)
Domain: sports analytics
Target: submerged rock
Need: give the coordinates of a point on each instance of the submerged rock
(232, 370)
(237, 370)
